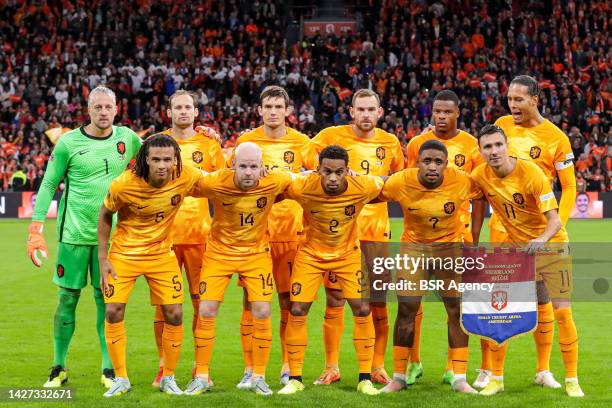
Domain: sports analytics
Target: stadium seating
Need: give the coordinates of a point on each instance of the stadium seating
(228, 51)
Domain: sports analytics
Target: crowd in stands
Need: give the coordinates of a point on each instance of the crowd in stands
(52, 53)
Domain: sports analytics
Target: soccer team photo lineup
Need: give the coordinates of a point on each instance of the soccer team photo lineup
(306, 203)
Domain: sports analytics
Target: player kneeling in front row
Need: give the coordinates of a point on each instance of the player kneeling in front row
(331, 202)
(431, 197)
(147, 200)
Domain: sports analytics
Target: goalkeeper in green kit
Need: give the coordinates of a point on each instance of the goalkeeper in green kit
(88, 159)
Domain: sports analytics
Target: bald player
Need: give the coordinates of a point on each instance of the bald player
(463, 154)
(331, 202)
(191, 226)
(521, 195)
(282, 149)
(373, 152)
(532, 137)
(431, 197)
(238, 243)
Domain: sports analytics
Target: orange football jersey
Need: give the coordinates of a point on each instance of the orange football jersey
(520, 200)
(330, 227)
(462, 149)
(285, 220)
(240, 217)
(380, 155)
(463, 153)
(192, 223)
(430, 215)
(545, 144)
(146, 213)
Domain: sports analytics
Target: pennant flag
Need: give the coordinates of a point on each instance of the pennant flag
(509, 309)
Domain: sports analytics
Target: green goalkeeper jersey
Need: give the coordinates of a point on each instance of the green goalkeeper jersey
(88, 165)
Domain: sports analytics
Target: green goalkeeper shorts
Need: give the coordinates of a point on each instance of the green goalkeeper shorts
(74, 264)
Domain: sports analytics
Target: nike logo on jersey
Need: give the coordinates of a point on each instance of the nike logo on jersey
(176, 296)
(412, 209)
(82, 152)
(176, 345)
(114, 341)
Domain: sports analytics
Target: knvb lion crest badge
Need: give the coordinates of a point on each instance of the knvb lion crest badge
(381, 153)
(499, 300)
(449, 207)
(109, 291)
(261, 202)
(459, 160)
(349, 210)
(289, 157)
(534, 152)
(121, 150)
(197, 157)
(518, 198)
(175, 200)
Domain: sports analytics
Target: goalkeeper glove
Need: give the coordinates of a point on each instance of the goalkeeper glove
(36, 242)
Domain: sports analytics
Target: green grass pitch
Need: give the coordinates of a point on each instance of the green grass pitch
(29, 300)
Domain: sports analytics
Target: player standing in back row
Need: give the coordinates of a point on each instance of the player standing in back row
(88, 159)
(532, 137)
(372, 151)
(520, 194)
(192, 223)
(282, 148)
(463, 154)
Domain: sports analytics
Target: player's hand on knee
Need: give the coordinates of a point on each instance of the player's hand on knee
(36, 243)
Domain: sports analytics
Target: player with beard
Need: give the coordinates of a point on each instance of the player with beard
(374, 152)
